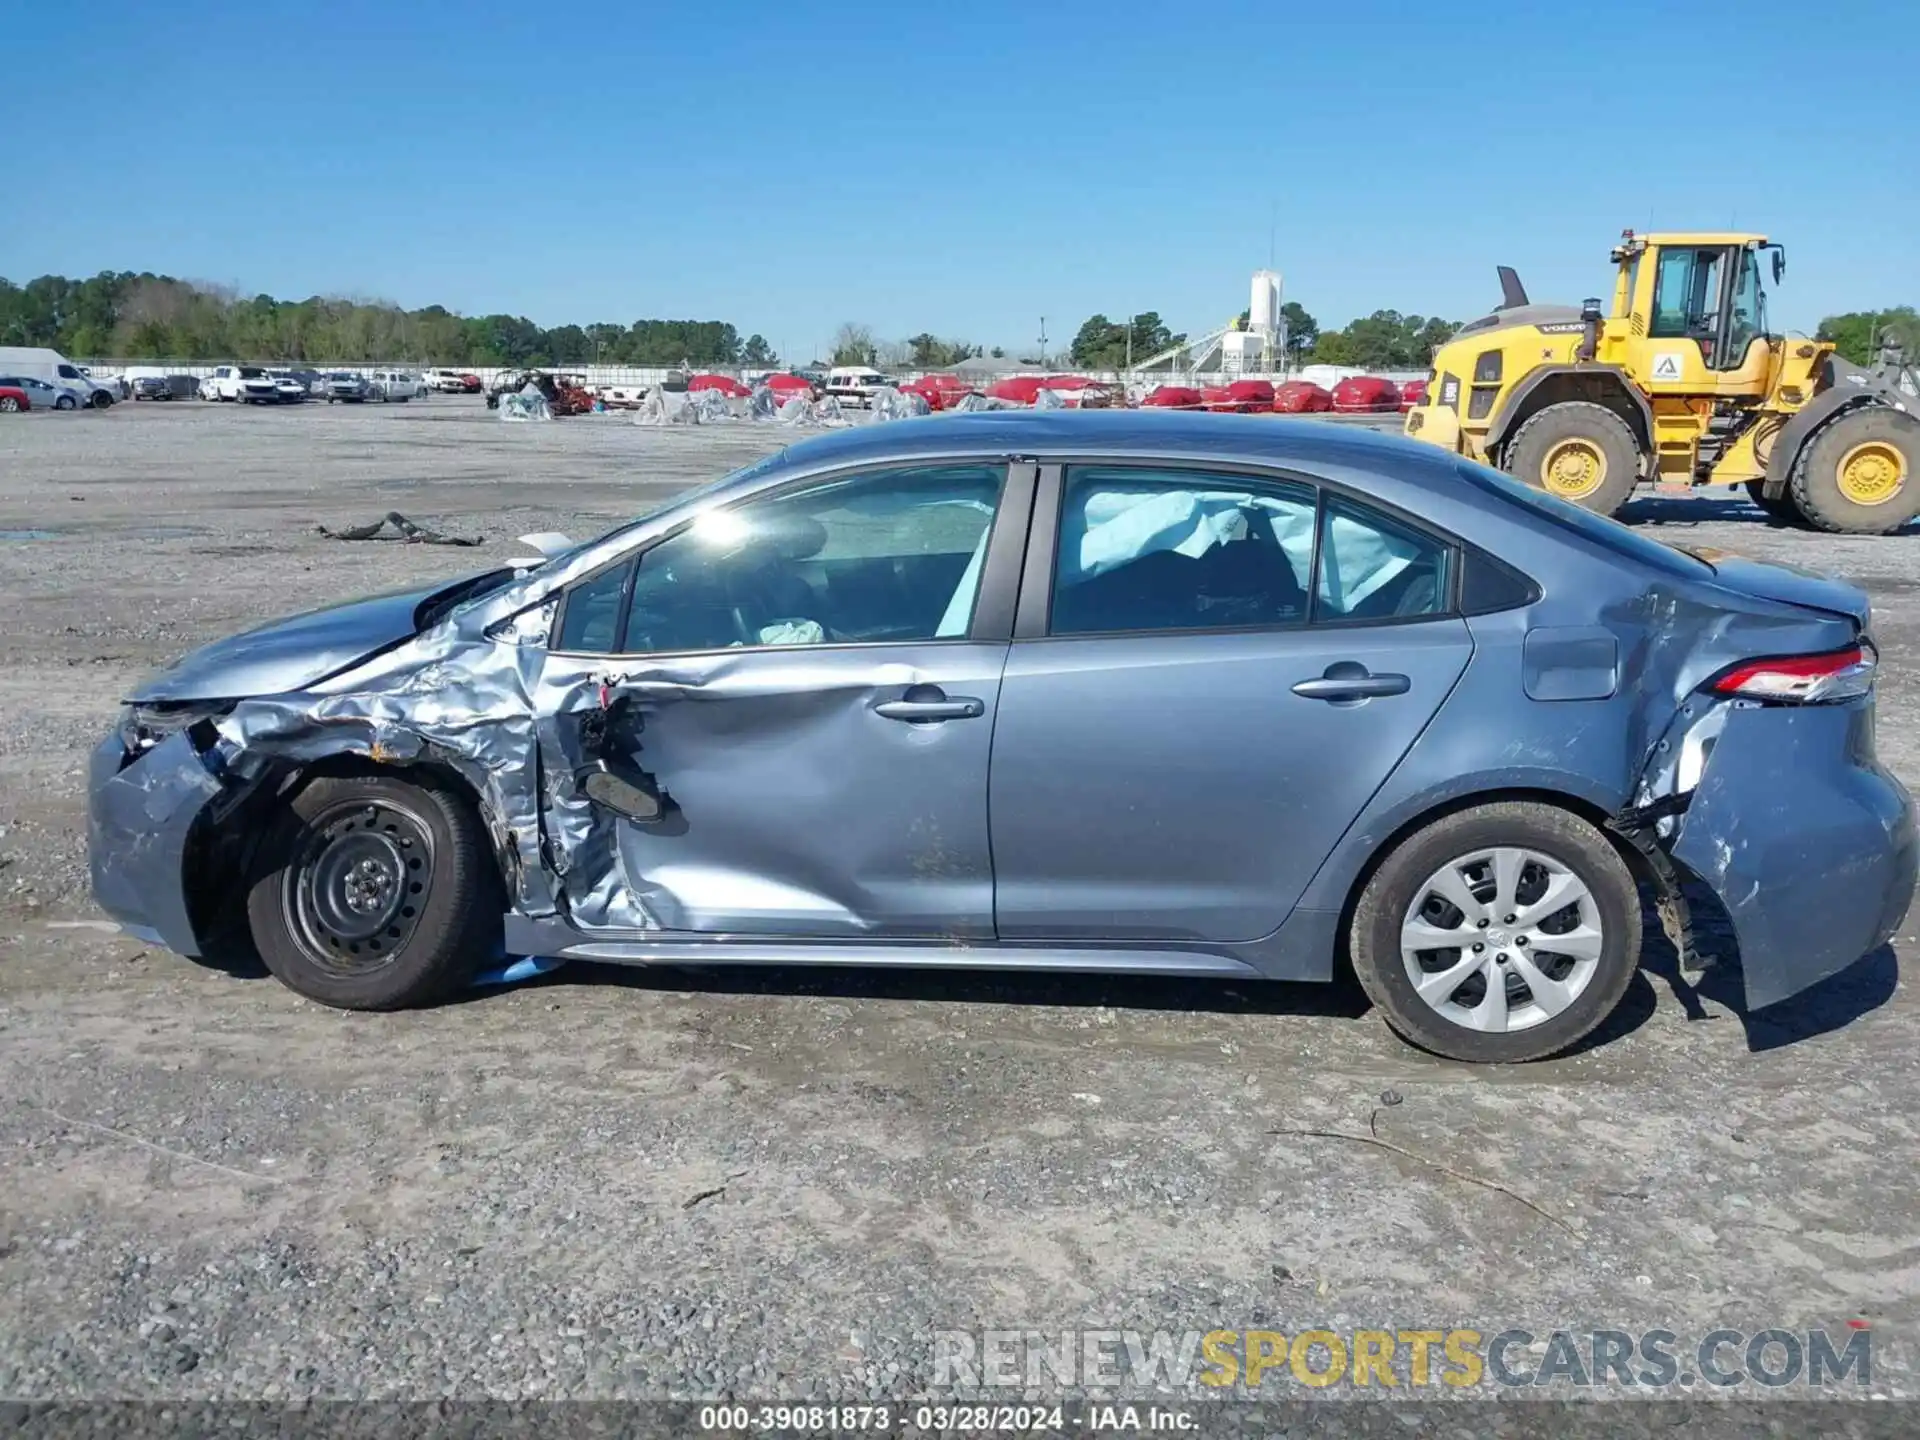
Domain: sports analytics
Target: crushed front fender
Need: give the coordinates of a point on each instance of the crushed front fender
(138, 817)
(1807, 841)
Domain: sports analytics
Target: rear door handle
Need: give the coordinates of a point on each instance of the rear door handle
(1362, 686)
(922, 712)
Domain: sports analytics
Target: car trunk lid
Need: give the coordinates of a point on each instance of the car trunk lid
(1786, 584)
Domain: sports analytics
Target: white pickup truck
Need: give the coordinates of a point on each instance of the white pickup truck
(247, 384)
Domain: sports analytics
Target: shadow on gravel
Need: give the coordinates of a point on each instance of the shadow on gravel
(1694, 510)
(1833, 1004)
(232, 952)
(1230, 996)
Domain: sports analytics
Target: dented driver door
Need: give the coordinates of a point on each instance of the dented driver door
(807, 683)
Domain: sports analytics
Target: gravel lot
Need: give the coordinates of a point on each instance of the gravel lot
(764, 1183)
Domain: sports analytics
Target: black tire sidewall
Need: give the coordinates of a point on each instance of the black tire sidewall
(459, 908)
(1392, 890)
(1579, 419)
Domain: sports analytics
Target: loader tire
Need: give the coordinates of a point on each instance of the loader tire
(1580, 452)
(1780, 508)
(1860, 474)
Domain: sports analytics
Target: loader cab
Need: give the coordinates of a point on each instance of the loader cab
(1697, 310)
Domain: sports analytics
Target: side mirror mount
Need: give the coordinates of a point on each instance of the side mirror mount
(624, 791)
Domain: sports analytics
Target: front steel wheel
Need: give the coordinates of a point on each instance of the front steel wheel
(355, 888)
(1502, 932)
(374, 893)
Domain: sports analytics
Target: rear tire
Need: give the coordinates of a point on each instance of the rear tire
(8, 405)
(375, 893)
(1860, 474)
(1578, 451)
(1547, 999)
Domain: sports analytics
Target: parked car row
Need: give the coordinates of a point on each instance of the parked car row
(264, 385)
(30, 392)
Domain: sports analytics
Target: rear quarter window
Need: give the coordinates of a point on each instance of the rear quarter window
(1609, 534)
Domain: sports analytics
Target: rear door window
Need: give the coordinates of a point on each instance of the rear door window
(1144, 549)
(1374, 568)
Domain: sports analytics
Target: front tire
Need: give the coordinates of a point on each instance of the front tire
(1578, 451)
(65, 402)
(1858, 476)
(375, 893)
(1549, 904)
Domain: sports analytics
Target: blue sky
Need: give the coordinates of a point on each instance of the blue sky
(964, 168)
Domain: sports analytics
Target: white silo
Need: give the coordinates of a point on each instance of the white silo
(1263, 314)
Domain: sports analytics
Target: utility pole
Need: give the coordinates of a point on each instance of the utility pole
(1043, 342)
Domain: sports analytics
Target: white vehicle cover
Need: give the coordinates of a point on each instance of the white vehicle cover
(528, 404)
(667, 407)
(889, 403)
(1048, 400)
(1118, 526)
(971, 402)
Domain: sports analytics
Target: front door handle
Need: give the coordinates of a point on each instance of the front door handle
(925, 704)
(1347, 681)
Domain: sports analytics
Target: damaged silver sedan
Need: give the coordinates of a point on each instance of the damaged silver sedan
(1193, 695)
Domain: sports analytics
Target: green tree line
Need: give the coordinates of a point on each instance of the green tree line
(1859, 334)
(130, 316)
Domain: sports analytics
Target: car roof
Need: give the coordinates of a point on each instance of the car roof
(1117, 433)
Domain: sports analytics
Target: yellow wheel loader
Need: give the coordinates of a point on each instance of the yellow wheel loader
(1679, 384)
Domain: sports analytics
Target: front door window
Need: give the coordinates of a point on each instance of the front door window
(887, 557)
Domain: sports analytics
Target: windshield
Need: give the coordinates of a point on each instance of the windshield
(1610, 534)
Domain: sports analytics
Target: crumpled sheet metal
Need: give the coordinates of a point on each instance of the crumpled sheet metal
(444, 698)
(507, 718)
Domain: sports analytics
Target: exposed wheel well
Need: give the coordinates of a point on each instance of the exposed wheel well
(1605, 388)
(1573, 804)
(220, 853)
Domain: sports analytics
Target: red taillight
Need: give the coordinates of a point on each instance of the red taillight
(1803, 679)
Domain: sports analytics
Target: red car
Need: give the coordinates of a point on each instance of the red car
(1301, 397)
(725, 384)
(472, 384)
(1242, 397)
(941, 392)
(12, 397)
(1174, 397)
(1365, 395)
(785, 387)
(1079, 391)
(1020, 389)
(1413, 393)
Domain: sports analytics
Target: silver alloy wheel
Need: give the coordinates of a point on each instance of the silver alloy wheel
(1501, 940)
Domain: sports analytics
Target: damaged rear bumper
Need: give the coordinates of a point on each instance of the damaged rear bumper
(139, 815)
(1806, 840)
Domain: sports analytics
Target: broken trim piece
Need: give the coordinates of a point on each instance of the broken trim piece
(1636, 825)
